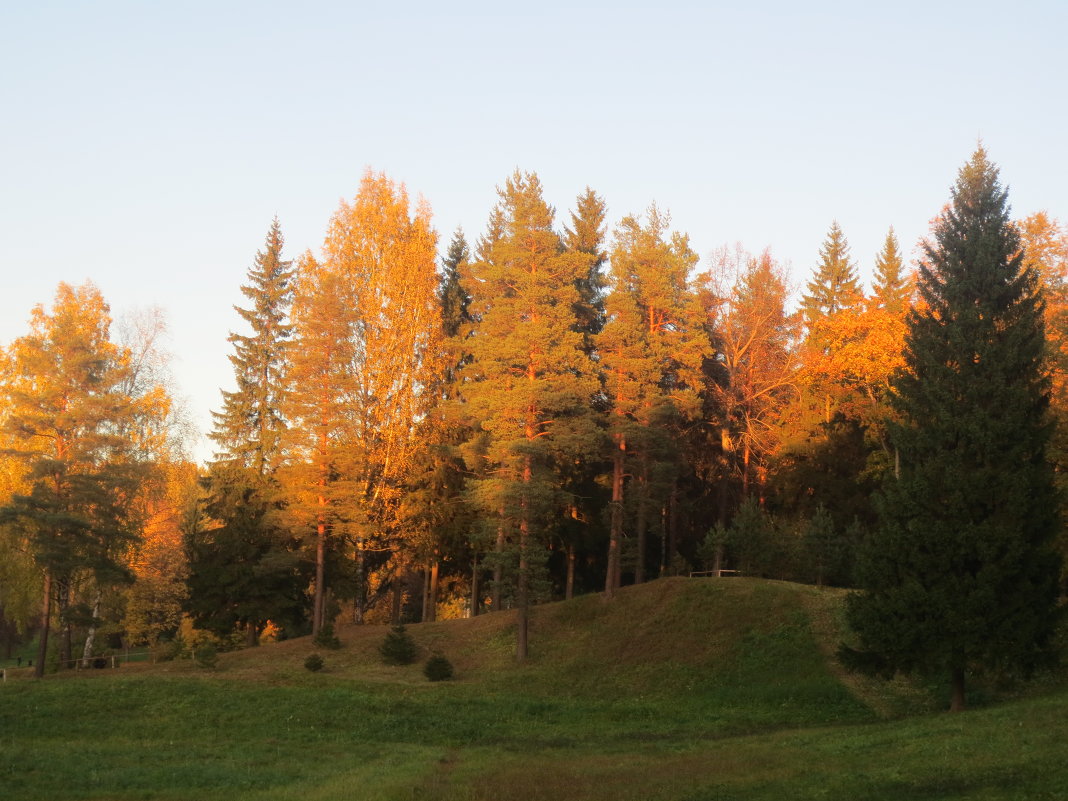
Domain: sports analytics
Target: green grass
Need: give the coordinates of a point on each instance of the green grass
(681, 689)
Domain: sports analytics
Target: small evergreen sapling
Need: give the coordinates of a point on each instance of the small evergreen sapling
(438, 668)
(398, 648)
(326, 637)
(314, 663)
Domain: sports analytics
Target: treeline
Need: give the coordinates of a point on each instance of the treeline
(552, 409)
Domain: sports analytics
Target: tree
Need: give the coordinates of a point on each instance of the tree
(529, 381)
(754, 370)
(248, 429)
(651, 351)
(79, 437)
(891, 289)
(834, 285)
(961, 575)
(243, 563)
(368, 334)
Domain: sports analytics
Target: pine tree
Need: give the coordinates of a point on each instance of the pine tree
(961, 576)
(249, 426)
(651, 351)
(529, 382)
(891, 289)
(78, 435)
(834, 285)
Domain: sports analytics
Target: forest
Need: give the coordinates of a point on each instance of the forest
(564, 405)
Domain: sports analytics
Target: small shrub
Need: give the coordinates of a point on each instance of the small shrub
(398, 648)
(314, 663)
(166, 650)
(326, 638)
(438, 668)
(206, 655)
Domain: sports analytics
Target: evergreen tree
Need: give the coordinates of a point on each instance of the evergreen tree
(79, 438)
(835, 285)
(243, 567)
(529, 382)
(891, 288)
(961, 575)
(651, 351)
(585, 235)
(249, 426)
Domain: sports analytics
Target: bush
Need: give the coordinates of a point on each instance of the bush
(326, 639)
(438, 668)
(166, 650)
(206, 655)
(314, 663)
(398, 648)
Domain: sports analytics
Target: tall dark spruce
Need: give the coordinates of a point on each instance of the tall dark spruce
(961, 576)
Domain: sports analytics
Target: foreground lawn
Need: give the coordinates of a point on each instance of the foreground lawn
(726, 693)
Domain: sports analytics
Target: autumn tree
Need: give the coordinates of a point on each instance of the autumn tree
(651, 352)
(754, 368)
(961, 575)
(78, 436)
(367, 326)
(529, 382)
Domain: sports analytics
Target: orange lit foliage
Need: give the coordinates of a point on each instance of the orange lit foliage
(651, 351)
(755, 363)
(158, 562)
(366, 332)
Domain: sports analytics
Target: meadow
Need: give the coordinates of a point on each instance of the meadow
(679, 689)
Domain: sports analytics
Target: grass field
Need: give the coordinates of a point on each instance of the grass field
(680, 689)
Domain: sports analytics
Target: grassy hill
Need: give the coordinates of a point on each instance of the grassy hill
(679, 689)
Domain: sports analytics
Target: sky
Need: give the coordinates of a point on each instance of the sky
(147, 146)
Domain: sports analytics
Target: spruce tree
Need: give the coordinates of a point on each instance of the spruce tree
(249, 426)
(834, 285)
(891, 289)
(961, 575)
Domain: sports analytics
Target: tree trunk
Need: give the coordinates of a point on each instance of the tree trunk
(252, 638)
(474, 587)
(66, 645)
(46, 619)
(498, 568)
(423, 613)
(398, 597)
(569, 588)
(673, 523)
(90, 637)
(615, 534)
(432, 595)
(320, 574)
(360, 607)
(958, 702)
(522, 595)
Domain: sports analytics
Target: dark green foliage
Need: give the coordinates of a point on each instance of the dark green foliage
(325, 638)
(398, 648)
(249, 570)
(961, 575)
(438, 668)
(206, 655)
(314, 663)
(248, 428)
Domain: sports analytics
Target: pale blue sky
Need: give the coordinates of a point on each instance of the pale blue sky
(147, 146)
